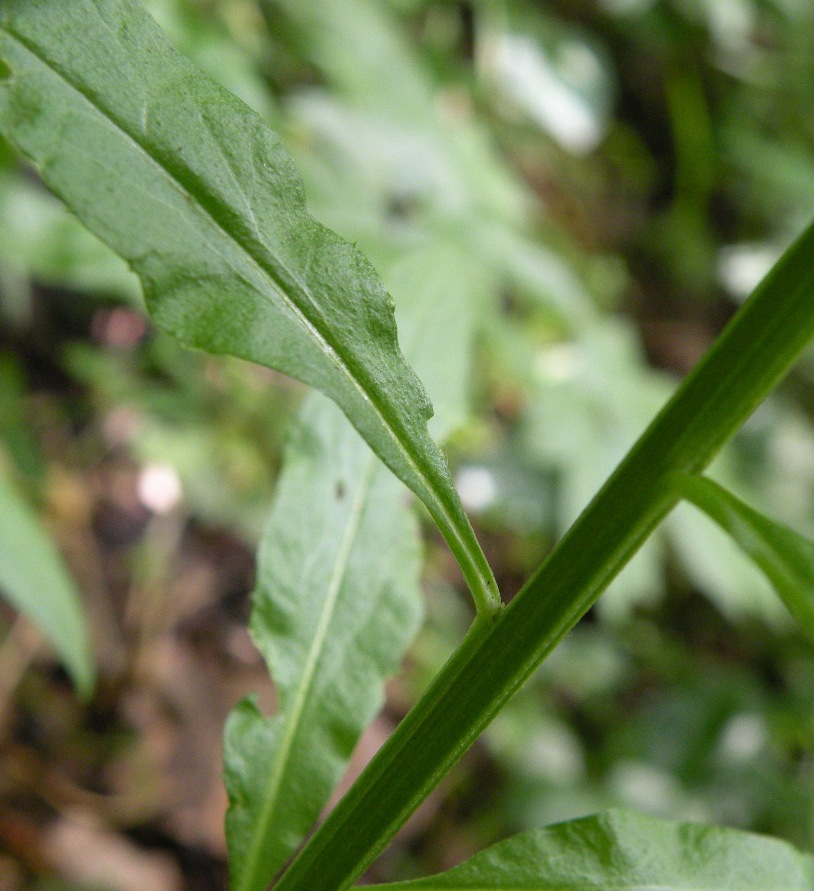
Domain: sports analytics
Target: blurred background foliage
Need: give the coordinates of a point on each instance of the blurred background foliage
(612, 177)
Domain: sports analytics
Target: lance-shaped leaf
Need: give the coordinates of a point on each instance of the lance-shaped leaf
(200, 197)
(35, 580)
(623, 851)
(785, 556)
(338, 596)
(337, 602)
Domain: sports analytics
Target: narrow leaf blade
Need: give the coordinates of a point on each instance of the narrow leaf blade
(200, 197)
(337, 602)
(785, 556)
(338, 595)
(623, 851)
(35, 580)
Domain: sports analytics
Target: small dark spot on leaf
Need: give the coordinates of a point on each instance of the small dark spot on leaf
(340, 490)
(5, 70)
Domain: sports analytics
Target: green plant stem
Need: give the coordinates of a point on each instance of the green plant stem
(501, 651)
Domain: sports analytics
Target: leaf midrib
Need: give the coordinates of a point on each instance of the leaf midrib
(434, 502)
(292, 719)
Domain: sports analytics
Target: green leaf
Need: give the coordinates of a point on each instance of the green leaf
(338, 597)
(365, 53)
(382, 72)
(437, 290)
(197, 194)
(337, 601)
(35, 580)
(786, 557)
(623, 851)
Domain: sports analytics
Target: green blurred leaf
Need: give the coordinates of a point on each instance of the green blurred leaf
(367, 57)
(34, 579)
(382, 72)
(623, 851)
(438, 292)
(43, 241)
(15, 432)
(786, 557)
(201, 199)
(715, 565)
(590, 397)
